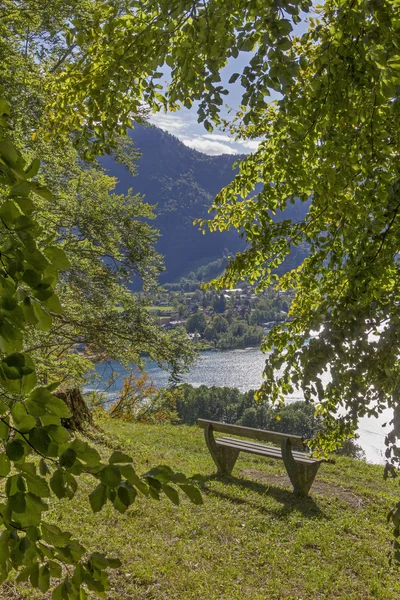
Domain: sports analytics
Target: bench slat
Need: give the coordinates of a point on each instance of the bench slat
(256, 434)
(269, 451)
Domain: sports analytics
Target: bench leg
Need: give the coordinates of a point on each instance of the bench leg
(225, 460)
(223, 457)
(300, 474)
(303, 479)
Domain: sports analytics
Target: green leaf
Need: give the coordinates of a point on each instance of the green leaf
(15, 450)
(45, 321)
(4, 107)
(55, 569)
(126, 494)
(110, 476)
(4, 545)
(33, 168)
(234, 77)
(5, 465)
(68, 458)
(42, 191)
(18, 503)
(129, 473)
(86, 453)
(27, 424)
(44, 578)
(284, 27)
(53, 305)
(18, 412)
(59, 435)
(40, 439)
(171, 493)
(98, 497)
(53, 535)
(43, 468)
(4, 430)
(9, 213)
(31, 278)
(37, 485)
(8, 302)
(21, 189)
(57, 483)
(58, 258)
(192, 492)
(58, 407)
(119, 457)
(9, 153)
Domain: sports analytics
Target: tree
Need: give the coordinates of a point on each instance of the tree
(219, 304)
(196, 323)
(38, 457)
(106, 237)
(220, 324)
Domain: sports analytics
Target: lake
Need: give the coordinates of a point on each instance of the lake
(241, 369)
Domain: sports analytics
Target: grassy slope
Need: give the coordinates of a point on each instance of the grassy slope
(251, 540)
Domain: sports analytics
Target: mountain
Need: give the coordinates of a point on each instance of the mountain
(182, 182)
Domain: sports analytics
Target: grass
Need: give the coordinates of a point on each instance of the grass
(168, 309)
(252, 539)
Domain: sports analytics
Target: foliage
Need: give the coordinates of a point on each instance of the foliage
(30, 421)
(196, 323)
(219, 304)
(106, 236)
(332, 135)
(117, 65)
(142, 402)
(346, 308)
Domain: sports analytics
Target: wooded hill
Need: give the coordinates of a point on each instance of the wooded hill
(182, 182)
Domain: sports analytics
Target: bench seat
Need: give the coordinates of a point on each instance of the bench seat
(261, 450)
(300, 466)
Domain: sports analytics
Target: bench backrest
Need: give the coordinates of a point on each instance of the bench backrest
(256, 434)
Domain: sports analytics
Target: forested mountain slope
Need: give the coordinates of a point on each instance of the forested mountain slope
(182, 182)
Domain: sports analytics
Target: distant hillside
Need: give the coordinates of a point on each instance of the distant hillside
(183, 183)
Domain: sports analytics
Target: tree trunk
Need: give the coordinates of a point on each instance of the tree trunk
(80, 414)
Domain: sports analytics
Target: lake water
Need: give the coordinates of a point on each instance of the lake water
(241, 369)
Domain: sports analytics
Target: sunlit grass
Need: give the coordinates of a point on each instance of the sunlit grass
(251, 539)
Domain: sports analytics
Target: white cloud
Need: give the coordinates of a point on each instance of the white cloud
(218, 137)
(250, 145)
(172, 123)
(207, 146)
(184, 126)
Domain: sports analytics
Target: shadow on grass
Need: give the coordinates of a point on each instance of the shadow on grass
(290, 502)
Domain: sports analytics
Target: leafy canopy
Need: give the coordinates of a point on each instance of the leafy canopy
(107, 237)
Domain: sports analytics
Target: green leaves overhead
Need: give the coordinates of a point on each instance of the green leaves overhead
(193, 39)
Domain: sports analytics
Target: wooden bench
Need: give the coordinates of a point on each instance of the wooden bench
(300, 466)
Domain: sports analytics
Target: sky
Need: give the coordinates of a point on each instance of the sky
(183, 123)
